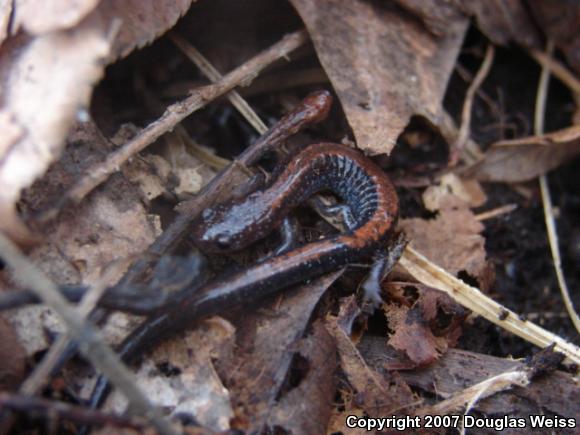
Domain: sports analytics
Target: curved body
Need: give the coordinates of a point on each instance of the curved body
(322, 167)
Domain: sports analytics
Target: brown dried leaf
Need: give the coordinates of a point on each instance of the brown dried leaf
(267, 344)
(41, 95)
(181, 377)
(141, 21)
(5, 14)
(384, 65)
(559, 20)
(375, 394)
(37, 18)
(12, 357)
(453, 191)
(453, 241)
(110, 226)
(460, 369)
(316, 390)
(424, 328)
(524, 159)
(503, 21)
(46, 80)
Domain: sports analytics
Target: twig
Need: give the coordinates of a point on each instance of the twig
(51, 409)
(40, 376)
(464, 130)
(539, 116)
(90, 344)
(468, 77)
(504, 209)
(470, 395)
(470, 297)
(214, 75)
(556, 68)
(175, 114)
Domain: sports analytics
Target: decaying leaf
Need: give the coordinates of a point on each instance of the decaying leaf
(384, 64)
(136, 30)
(453, 191)
(503, 21)
(257, 374)
(452, 240)
(374, 393)
(37, 18)
(42, 94)
(317, 363)
(524, 159)
(110, 226)
(459, 369)
(181, 377)
(559, 20)
(47, 77)
(5, 13)
(12, 357)
(424, 326)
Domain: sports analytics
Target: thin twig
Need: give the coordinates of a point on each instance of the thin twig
(539, 117)
(214, 75)
(472, 298)
(90, 344)
(50, 409)
(464, 130)
(175, 114)
(556, 68)
(41, 374)
(504, 209)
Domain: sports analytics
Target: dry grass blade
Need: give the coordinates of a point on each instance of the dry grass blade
(469, 396)
(470, 297)
(539, 116)
(556, 68)
(465, 128)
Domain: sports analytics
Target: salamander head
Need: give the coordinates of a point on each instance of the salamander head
(226, 228)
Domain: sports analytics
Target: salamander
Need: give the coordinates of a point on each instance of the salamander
(355, 179)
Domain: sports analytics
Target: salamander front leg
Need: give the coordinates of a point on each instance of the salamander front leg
(338, 215)
(384, 261)
(290, 234)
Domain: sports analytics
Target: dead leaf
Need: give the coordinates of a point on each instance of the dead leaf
(453, 191)
(383, 63)
(140, 21)
(459, 369)
(503, 21)
(518, 160)
(453, 241)
(5, 14)
(424, 326)
(559, 20)
(111, 225)
(181, 377)
(316, 390)
(373, 392)
(12, 357)
(42, 94)
(47, 77)
(267, 344)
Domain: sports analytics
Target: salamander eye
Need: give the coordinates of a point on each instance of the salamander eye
(208, 213)
(223, 243)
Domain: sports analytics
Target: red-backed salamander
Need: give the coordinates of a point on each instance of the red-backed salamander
(355, 179)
